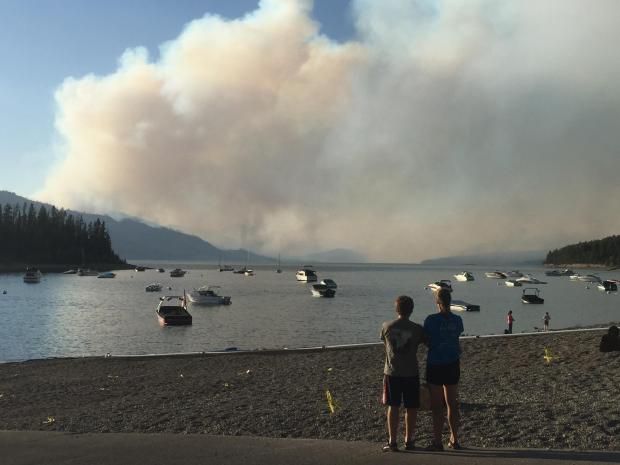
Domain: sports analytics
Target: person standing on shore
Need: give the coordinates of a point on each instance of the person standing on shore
(546, 320)
(401, 380)
(443, 369)
(509, 321)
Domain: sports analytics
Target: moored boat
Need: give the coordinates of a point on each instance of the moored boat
(140, 268)
(153, 287)
(306, 274)
(330, 283)
(531, 295)
(322, 290)
(608, 286)
(32, 276)
(172, 311)
(529, 279)
(206, 295)
(589, 278)
(106, 274)
(564, 272)
(461, 306)
(513, 283)
(441, 284)
(87, 272)
(464, 276)
(177, 273)
(495, 275)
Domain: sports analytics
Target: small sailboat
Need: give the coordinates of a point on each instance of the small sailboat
(278, 269)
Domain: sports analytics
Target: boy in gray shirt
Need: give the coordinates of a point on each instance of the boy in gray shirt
(401, 380)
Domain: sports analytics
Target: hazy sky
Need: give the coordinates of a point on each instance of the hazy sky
(403, 129)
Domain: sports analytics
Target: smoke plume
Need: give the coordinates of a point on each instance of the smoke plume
(445, 127)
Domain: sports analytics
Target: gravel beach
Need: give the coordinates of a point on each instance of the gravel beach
(510, 395)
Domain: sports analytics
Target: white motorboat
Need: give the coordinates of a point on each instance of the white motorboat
(464, 276)
(106, 274)
(32, 276)
(248, 272)
(589, 278)
(461, 306)
(495, 275)
(442, 284)
(529, 279)
(330, 283)
(206, 295)
(574, 277)
(608, 286)
(513, 283)
(306, 275)
(322, 290)
(153, 287)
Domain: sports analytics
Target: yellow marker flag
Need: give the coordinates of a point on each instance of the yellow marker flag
(331, 402)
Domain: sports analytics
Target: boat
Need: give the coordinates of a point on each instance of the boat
(71, 271)
(589, 278)
(240, 270)
(330, 283)
(140, 268)
(531, 295)
(248, 272)
(306, 275)
(513, 283)
(106, 274)
(464, 276)
(574, 277)
(278, 269)
(461, 306)
(87, 272)
(177, 273)
(441, 284)
(322, 290)
(608, 286)
(161, 270)
(226, 268)
(32, 276)
(513, 274)
(529, 279)
(564, 272)
(495, 275)
(172, 311)
(206, 295)
(153, 287)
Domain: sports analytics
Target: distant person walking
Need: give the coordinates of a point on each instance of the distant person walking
(443, 369)
(546, 320)
(401, 380)
(509, 321)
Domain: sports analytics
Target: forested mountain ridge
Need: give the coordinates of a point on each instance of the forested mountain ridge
(43, 235)
(597, 252)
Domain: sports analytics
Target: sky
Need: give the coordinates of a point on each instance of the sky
(404, 130)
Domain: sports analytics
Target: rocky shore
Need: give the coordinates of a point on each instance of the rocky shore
(511, 396)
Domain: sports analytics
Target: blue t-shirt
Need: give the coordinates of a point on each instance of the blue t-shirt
(443, 331)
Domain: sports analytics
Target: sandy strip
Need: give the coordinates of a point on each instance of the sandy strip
(510, 396)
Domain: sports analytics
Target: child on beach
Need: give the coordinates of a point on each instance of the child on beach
(610, 342)
(401, 381)
(509, 321)
(546, 320)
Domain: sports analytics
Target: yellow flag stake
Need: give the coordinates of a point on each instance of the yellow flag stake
(548, 357)
(331, 402)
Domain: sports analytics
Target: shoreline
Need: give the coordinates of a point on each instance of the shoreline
(510, 397)
(60, 268)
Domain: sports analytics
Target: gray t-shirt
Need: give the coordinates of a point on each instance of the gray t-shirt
(401, 338)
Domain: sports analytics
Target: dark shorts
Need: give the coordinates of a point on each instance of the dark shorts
(440, 375)
(398, 389)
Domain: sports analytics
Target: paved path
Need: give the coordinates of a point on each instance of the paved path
(39, 448)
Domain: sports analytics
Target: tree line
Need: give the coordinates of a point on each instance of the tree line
(599, 252)
(32, 235)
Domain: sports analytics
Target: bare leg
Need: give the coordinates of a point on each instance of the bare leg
(452, 401)
(437, 409)
(411, 415)
(392, 423)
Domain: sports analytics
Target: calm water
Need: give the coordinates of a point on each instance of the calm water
(67, 315)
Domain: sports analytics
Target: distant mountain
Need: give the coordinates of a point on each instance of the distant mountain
(132, 239)
(532, 257)
(336, 256)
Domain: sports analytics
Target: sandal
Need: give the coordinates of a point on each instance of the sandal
(454, 445)
(390, 447)
(434, 447)
(409, 445)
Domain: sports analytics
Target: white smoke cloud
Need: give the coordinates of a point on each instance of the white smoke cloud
(447, 127)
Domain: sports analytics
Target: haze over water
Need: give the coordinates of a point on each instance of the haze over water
(67, 315)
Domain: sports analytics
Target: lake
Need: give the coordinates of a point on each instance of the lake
(68, 315)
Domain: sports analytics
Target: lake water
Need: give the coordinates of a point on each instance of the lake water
(68, 315)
